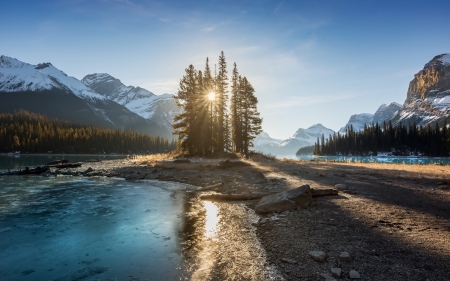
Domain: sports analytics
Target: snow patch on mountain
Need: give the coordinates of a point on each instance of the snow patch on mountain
(158, 108)
(288, 147)
(17, 76)
(357, 121)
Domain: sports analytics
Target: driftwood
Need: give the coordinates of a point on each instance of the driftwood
(259, 195)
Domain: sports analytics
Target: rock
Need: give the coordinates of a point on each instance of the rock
(345, 257)
(88, 170)
(318, 256)
(327, 277)
(443, 187)
(299, 197)
(264, 221)
(354, 274)
(291, 261)
(228, 164)
(336, 272)
(323, 192)
(341, 186)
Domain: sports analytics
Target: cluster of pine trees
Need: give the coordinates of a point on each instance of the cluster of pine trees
(211, 122)
(33, 133)
(401, 140)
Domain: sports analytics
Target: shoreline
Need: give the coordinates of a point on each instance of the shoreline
(393, 220)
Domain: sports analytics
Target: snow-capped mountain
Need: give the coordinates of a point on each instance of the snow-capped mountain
(17, 76)
(157, 108)
(288, 147)
(385, 112)
(428, 97)
(47, 90)
(358, 121)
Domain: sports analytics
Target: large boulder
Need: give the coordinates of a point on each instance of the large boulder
(299, 197)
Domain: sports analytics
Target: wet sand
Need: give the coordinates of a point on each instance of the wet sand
(393, 220)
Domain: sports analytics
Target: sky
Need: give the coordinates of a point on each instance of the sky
(309, 61)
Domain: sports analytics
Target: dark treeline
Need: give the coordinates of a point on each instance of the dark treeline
(211, 121)
(33, 133)
(400, 140)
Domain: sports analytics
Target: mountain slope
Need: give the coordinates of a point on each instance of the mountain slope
(288, 147)
(385, 112)
(428, 97)
(357, 121)
(160, 109)
(47, 90)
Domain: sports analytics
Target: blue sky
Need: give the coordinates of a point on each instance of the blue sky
(309, 61)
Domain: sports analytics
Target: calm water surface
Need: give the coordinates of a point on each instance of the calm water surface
(375, 159)
(22, 160)
(75, 228)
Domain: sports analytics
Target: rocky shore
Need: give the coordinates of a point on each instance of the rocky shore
(387, 222)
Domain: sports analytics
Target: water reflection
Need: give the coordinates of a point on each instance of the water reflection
(220, 243)
(212, 218)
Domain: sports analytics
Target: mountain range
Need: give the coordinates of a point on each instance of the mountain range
(98, 100)
(102, 100)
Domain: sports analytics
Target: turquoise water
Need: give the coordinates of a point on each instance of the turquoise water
(375, 159)
(75, 228)
(22, 160)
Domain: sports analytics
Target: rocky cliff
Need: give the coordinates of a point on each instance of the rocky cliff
(428, 97)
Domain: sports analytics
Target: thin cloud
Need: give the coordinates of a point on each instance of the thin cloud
(278, 7)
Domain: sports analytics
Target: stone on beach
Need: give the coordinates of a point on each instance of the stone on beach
(345, 257)
(287, 260)
(336, 272)
(299, 197)
(318, 256)
(354, 274)
(327, 277)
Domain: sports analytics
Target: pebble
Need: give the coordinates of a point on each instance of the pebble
(354, 274)
(345, 257)
(291, 261)
(327, 277)
(336, 272)
(318, 256)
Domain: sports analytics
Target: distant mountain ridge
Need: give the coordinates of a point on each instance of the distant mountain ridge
(383, 113)
(46, 90)
(288, 147)
(160, 109)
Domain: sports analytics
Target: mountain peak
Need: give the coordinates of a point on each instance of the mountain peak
(443, 59)
(8, 62)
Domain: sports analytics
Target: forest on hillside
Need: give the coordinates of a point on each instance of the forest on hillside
(400, 140)
(33, 133)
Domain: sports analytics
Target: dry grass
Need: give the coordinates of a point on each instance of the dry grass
(152, 159)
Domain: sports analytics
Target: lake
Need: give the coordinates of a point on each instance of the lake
(378, 159)
(98, 228)
(76, 228)
(32, 160)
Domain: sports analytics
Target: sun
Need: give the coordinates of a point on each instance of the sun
(211, 96)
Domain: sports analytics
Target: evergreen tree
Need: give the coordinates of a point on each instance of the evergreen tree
(251, 121)
(185, 123)
(221, 103)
